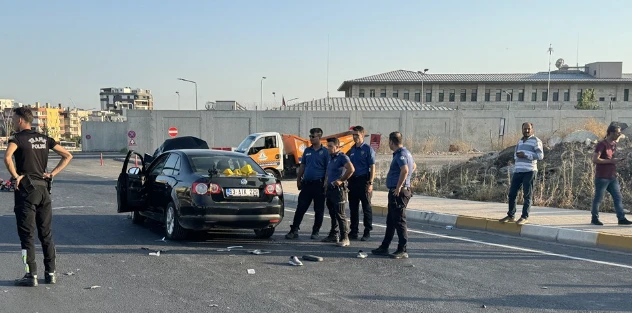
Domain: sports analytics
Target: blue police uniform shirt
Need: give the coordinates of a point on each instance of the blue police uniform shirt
(315, 162)
(362, 158)
(336, 166)
(401, 157)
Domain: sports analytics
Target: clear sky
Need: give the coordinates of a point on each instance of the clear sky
(54, 51)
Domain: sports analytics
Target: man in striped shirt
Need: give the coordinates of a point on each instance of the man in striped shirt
(528, 152)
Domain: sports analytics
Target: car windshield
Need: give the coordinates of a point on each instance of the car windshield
(225, 165)
(245, 145)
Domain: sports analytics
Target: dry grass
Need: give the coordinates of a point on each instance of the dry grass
(460, 146)
(509, 140)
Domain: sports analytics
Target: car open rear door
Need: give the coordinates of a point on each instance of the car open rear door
(130, 191)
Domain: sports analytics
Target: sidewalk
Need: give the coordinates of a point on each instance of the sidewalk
(550, 224)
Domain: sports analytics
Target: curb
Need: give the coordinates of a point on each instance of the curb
(540, 232)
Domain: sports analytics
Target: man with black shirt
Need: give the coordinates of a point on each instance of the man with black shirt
(33, 207)
(311, 183)
(361, 184)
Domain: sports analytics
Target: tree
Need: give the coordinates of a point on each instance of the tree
(588, 101)
(7, 122)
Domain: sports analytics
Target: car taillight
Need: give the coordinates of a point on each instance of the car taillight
(215, 189)
(274, 189)
(200, 188)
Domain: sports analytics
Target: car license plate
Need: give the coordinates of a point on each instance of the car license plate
(239, 192)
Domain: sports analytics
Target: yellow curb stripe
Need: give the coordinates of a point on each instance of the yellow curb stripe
(614, 241)
(471, 222)
(507, 228)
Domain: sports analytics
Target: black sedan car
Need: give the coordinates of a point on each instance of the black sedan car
(201, 189)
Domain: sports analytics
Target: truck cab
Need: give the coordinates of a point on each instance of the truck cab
(267, 149)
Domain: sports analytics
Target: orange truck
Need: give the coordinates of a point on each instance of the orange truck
(280, 154)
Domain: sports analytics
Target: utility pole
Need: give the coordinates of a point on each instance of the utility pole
(548, 88)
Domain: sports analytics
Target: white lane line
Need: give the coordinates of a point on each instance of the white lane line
(565, 256)
(73, 207)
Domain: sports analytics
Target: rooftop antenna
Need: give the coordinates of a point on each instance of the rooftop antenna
(577, 50)
(327, 68)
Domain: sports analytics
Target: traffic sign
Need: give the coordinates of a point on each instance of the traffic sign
(88, 137)
(173, 131)
(131, 134)
(375, 141)
(132, 142)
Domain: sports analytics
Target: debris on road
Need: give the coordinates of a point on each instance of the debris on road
(362, 255)
(449, 227)
(234, 247)
(251, 271)
(545, 287)
(93, 287)
(163, 239)
(311, 257)
(295, 261)
(213, 305)
(157, 253)
(258, 252)
(69, 273)
(483, 306)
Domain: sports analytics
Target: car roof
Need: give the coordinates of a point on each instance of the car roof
(209, 152)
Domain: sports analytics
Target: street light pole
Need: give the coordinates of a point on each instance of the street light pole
(196, 93)
(261, 92)
(423, 92)
(178, 93)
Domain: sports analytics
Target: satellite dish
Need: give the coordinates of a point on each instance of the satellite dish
(559, 63)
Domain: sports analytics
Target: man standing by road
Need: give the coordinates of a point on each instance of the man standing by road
(338, 172)
(311, 183)
(33, 207)
(527, 153)
(399, 193)
(362, 157)
(606, 175)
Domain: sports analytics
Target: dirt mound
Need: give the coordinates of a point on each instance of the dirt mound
(565, 177)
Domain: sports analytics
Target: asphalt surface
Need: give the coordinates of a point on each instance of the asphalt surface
(448, 270)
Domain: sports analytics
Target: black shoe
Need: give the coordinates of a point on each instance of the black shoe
(380, 251)
(399, 254)
(366, 236)
(330, 238)
(315, 235)
(27, 281)
(596, 221)
(353, 236)
(624, 221)
(50, 278)
(293, 234)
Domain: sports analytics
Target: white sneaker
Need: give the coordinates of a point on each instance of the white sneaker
(295, 261)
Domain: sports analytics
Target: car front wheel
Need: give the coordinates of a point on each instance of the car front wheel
(173, 230)
(264, 233)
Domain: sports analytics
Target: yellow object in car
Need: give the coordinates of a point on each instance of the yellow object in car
(228, 172)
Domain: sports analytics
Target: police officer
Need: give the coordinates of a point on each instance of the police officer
(361, 184)
(338, 172)
(399, 193)
(33, 207)
(311, 183)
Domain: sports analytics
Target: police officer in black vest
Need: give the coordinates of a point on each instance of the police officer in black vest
(311, 183)
(33, 207)
(399, 193)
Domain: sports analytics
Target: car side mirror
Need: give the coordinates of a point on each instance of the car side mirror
(133, 171)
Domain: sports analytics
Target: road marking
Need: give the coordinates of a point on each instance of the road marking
(564, 256)
(73, 207)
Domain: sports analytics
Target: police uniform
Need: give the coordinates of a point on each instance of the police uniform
(396, 217)
(312, 188)
(362, 158)
(33, 207)
(337, 197)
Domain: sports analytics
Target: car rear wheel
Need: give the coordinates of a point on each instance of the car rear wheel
(173, 230)
(137, 218)
(264, 233)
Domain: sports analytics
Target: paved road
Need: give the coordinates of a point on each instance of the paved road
(449, 270)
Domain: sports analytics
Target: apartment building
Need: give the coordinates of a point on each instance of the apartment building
(117, 99)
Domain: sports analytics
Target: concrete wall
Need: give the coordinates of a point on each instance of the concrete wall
(229, 128)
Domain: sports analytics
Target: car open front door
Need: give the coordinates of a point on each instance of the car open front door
(130, 191)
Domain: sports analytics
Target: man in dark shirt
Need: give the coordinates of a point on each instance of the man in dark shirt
(311, 183)
(399, 193)
(606, 175)
(362, 157)
(338, 172)
(33, 207)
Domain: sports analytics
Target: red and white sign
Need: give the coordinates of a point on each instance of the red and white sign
(132, 142)
(375, 141)
(88, 137)
(173, 132)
